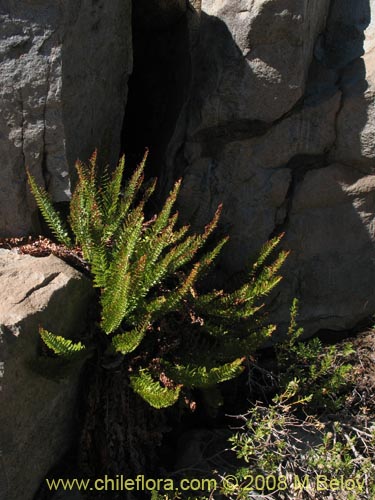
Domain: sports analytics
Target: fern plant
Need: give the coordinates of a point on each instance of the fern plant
(147, 273)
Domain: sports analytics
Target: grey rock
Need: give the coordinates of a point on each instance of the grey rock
(258, 55)
(37, 402)
(59, 62)
(258, 175)
(280, 105)
(356, 122)
(332, 264)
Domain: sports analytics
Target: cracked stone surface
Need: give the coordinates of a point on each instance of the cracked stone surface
(279, 125)
(38, 397)
(59, 62)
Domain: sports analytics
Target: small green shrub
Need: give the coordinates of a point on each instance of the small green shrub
(171, 336)
(295, 438)
(303, 451)
(322, 371)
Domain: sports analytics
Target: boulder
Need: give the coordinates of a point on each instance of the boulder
(355, 143)
(37, 400)
(64, 68)
(332, 264)
(257, 55)
(280, 111)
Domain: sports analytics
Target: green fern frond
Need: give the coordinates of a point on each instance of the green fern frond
(100, 266)
(60, 345)
(132, 188)
(92, 161)
(49, 213)
(266, 251)
(175, 297)
(152, 392)
(79, 220)
(153, 247)
(211, 226)
(137, 290)
(200, 376)
(111, 191)
(127, 342)
(115, 296)
(233, 346)
(244, 302)
(169, 302)
(114, 299)
(268, 279)
(164, 215)
(207, 259)
(85, 215)
(183, 253)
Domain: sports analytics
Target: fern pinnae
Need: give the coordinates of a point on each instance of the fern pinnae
(188, 248)
(49, 213)
(93, 160)
(164, 215)
(78, 217)
(149, 191)
(60, 345)
(131, 225)
(138, 289)
(205, 262)
(215, 330)
(200, 376)
(155, 274)
(132, 188)
(110, 196)
(114, 301)
(245, 346)
(268, 279)
(176, 296)
(184, 252)
(211, 226)
(152, 392)
(115, 296)
(210, 299)
(170, 302)
(266, 251)
(127, 342)
(81, 170)
(209, 257)
(178, 235)
(154, 248)
(113, 189)
(85, 213)
(99, 266)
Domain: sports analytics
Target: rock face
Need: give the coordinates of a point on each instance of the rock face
(63, 84)
(266, 105)
(37, 411)
(278, 123)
